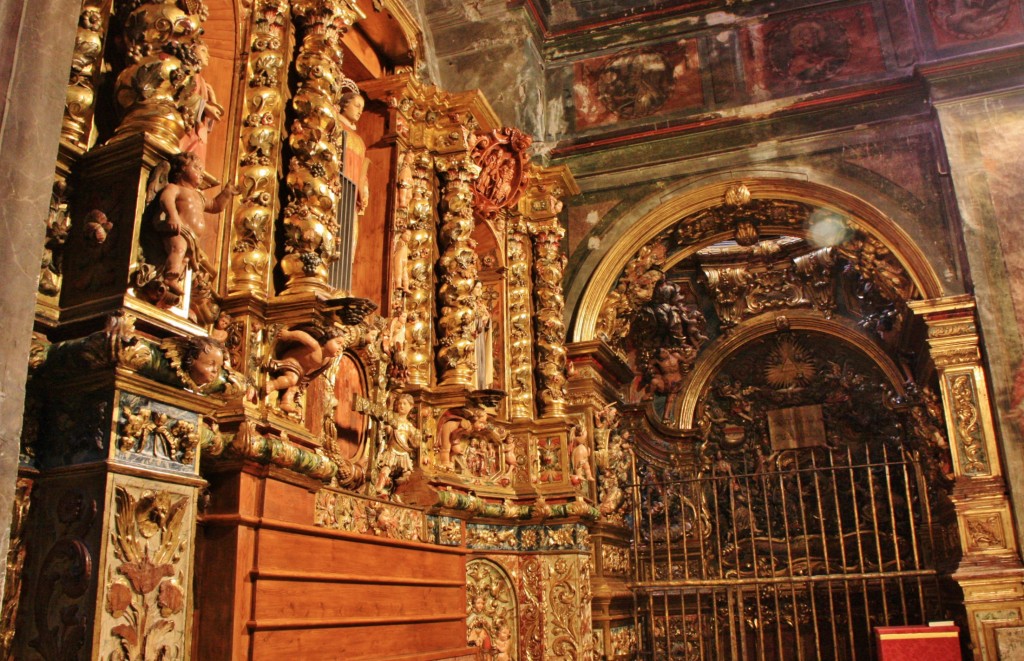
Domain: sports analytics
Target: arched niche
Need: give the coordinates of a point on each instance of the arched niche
(654, 217)
(350, 425)
(492, 608)
(817, 381)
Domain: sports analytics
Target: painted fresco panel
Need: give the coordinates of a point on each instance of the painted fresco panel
(805, 51)
(637, 83)
(956, 22)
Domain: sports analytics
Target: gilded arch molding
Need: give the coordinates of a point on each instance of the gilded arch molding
(719, 351)
(859, 213)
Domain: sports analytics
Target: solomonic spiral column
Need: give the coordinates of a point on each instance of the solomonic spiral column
(314, 172)
(459, 268)
(156, 91)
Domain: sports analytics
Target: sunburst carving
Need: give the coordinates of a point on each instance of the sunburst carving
(789, 365)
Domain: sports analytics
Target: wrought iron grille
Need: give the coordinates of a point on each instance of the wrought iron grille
(796, 557)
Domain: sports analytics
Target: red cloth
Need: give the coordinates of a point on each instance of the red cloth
(917, 643)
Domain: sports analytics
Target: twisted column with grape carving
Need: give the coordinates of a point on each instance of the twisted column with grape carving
(549, 312)
(458, 271)
(310, 217)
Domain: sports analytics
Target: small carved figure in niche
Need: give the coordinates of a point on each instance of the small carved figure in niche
(220, 327)
(404, 182)
(508, 452)
(208, 111)
(484, 352)
(581, 470)
(400, 262)
(182, 221)
(615, 476)
(453, 434)
(396, 460)
(394, 343)
(301, 359)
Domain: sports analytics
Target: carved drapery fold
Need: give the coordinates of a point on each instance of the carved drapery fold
(314, 172)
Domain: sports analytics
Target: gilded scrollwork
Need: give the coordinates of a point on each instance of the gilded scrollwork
(615, 559)
(568, 628)
(967, 423)
(549, 312)
(985, 532)
(146, 591)
(459, 269)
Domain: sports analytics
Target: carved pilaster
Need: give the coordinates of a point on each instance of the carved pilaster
(252, 229)
(520, 331)
(314, 172)
(990, 571)
(85, 65)
(157, 91)
(458, 271)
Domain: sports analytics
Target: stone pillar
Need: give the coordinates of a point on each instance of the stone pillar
(314, 174)
(458, 271)
(990, 572)
(35, 84)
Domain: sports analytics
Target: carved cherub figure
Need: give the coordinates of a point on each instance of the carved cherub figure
(181, 222)
(301, 359)
(581, 470)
